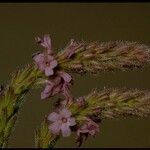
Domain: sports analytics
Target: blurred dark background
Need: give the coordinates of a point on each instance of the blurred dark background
(20, 23)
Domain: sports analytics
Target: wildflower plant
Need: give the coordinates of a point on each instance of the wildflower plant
(82, 115)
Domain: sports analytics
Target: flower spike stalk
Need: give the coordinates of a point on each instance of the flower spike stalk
(80, 115)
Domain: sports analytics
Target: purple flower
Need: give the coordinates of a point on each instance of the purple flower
(60, 83)
(46, 63)
(89, 127)
(61, 122)
(45, 42)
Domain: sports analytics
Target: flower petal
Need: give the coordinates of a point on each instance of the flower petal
(53, 64)
(82, 131)
(65, 113)
(50, 58)
(66, 131)
(41, 66)
(45, 95)
(39, 58)
(55, 127)
(48, 88)
(56, 89)
(65, 76)
(49, 71)
(47, 40)
(72, 121)
(53, 117)
(57, 80)
(66, 92)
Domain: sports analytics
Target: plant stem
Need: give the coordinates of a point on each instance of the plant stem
(11, 100)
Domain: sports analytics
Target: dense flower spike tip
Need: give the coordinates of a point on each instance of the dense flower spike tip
(61, 122)
(100, 56)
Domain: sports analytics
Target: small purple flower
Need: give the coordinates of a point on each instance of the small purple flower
(61, 122)
(45, 42)
(46, 63)
(60, 83)
(89, 127)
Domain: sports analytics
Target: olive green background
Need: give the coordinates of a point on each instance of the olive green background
(20, 23)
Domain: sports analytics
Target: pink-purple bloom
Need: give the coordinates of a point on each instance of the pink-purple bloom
(89, 127)
(60, 83)
(61, 122)
(46, 63)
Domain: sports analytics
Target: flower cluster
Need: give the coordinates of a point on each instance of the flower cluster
(62, 120)
(83, 114)
(58, 84)
(58, 81)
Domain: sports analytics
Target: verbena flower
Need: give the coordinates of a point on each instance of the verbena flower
(46, 63)
(58, 84)
(61, 122)
(89, 127)
(45, 60)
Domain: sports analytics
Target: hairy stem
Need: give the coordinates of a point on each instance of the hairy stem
(10, 101)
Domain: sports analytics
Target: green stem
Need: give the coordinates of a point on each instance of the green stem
(10, 102)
